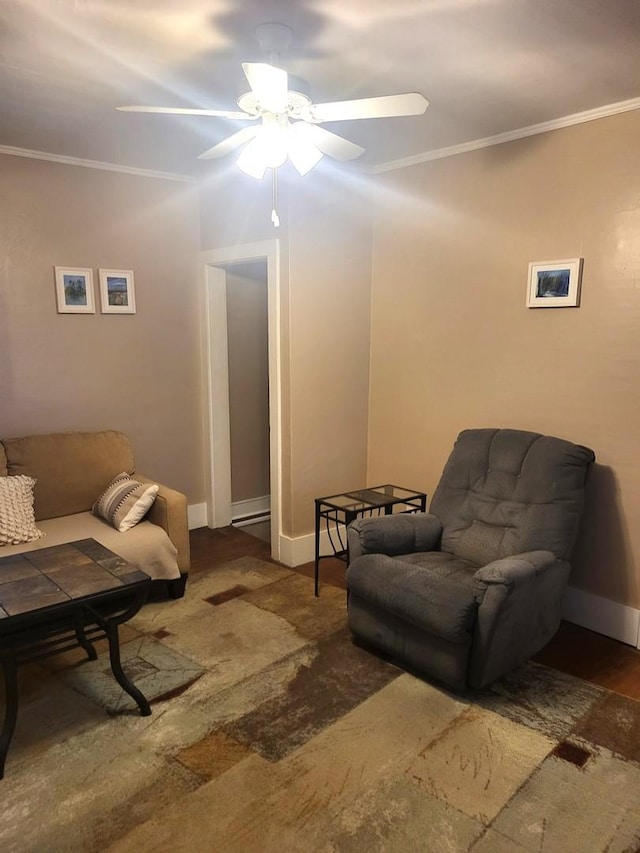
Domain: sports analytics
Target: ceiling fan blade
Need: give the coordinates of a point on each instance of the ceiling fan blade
(329, 143)
(269, 84)
(230, 143)
(179, 111)
(410, 104)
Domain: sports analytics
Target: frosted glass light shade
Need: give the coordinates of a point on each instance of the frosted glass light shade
(251, 162)
(273, 144)
(303, 154)
(267, 150)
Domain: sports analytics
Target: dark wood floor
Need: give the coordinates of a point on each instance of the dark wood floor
(574, 650)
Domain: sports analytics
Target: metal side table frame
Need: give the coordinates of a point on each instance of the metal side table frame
(338, 511)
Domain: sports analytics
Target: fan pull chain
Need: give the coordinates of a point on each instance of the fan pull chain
(274, 212)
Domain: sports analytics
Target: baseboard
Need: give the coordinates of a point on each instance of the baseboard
(607, 617)
(197, 513)
(196, 516)
(253, 506)
(594, 612)
(252, 519)
(302, 549)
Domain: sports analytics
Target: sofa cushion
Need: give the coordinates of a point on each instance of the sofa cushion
(125, 502)
(17, 522)
(146, 545)
(70, 468)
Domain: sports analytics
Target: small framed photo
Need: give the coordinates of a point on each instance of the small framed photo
(554, 284)
(74, 290)
(117, 294)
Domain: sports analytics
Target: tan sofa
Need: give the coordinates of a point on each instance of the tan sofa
(72, 469)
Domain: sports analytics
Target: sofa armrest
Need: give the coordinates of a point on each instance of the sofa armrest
(169, 511)
(403, 533)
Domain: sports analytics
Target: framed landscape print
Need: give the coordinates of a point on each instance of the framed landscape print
(74, 290)
(554, 284)
(117, 295)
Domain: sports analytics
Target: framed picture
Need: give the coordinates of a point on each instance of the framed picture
(117, 295)
(554, 284)
(74, 290)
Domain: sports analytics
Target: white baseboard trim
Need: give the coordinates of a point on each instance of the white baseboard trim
(253, 506)
(197, 513)
(196, 516)
(302, 549)
(253, 519)
(607, 617)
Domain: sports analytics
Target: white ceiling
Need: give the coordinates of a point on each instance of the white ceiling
(487, 67)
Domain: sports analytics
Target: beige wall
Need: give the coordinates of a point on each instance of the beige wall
(330, 294)
(248, 339)
(136, 373)
(453, 345)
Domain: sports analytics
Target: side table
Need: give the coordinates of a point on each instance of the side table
(338, 511)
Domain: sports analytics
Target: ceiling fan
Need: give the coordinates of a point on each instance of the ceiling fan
(285, 123)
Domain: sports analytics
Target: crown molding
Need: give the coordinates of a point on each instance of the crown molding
(510, 136)
(389, 166)
(94, 164)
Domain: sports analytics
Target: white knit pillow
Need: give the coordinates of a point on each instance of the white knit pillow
(125, 502)
(17, 521)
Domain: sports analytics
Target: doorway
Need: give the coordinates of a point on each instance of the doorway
(234, 268)
(248, 353)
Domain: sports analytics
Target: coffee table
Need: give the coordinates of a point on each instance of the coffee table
(60, 598)
(338, 511)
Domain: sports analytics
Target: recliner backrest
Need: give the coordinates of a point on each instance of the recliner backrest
(505, 492)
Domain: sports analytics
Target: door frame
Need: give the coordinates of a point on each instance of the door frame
(216, 375)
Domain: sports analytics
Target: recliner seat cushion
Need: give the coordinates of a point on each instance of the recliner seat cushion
(417, 594)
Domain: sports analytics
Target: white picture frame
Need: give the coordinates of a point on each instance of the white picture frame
(74, 290)
(117, 292)
(554, 284)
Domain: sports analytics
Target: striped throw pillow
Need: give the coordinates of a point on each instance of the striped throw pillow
(17, 521)
(125, 502)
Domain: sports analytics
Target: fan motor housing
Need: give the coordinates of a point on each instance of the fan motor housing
(296, 101)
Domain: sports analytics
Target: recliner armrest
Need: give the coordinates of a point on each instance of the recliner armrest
(519, 609)
(403, 533)
(516, 570)
(169, 511)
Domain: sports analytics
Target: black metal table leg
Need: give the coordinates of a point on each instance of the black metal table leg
(116, 667)
(317, 563)
(348, 518)
(84, 643)
(11, 709)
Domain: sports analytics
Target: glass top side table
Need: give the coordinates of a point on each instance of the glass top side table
(338, 511)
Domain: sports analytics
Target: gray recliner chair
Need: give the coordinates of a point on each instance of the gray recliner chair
(473, 588)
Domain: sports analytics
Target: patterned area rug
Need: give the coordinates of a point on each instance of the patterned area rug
(272, 731)
(158, 671)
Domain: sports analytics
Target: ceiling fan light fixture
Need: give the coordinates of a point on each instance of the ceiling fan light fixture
(284, 122)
